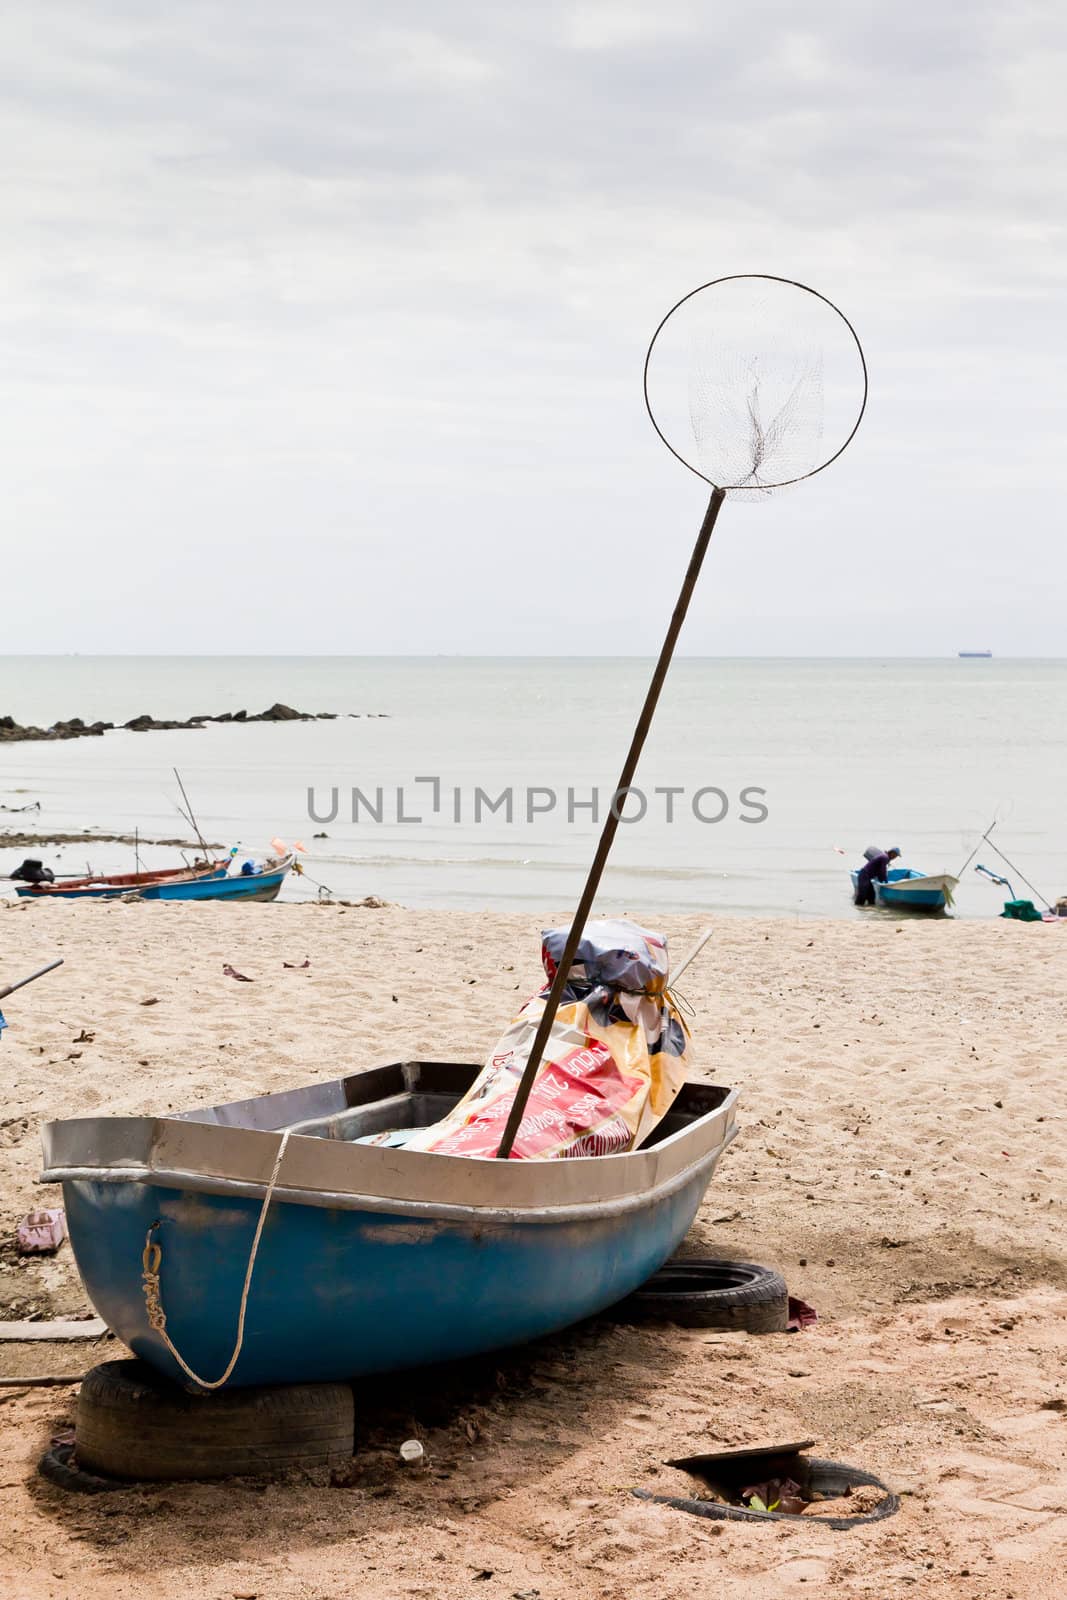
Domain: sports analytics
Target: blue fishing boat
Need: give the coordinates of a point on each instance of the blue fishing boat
(346, 1257)
(261, 881)
(908, 890)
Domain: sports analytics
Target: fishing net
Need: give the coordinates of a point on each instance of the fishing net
(755, 383)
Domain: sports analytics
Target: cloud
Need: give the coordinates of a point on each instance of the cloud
(338, 283)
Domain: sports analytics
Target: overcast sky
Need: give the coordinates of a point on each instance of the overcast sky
(322, 325)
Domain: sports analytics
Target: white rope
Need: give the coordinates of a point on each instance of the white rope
(152, 1260)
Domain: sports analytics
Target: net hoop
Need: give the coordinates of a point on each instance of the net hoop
(764, 277)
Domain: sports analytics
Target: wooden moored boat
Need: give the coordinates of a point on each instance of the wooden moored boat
(111, 886)
(371, 1257)
(205, 880)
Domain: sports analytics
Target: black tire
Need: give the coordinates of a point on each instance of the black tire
(59, 1467)
(830, 1478)
(701, 1292)
(133, 1423)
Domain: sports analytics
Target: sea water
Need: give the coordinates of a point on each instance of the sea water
(760, 786)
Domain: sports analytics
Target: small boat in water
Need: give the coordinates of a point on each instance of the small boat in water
(204, 880)
(908, 890)
(371, 1257)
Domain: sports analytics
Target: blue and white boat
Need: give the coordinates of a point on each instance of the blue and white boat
(908, 890)
(261, 881)
(371, 1257)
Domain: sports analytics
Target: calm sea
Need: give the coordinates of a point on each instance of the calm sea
(842, 754)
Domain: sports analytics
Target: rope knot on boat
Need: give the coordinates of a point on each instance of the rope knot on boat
(151, 1261)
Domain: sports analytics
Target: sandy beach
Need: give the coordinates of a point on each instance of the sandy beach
(901, 1160)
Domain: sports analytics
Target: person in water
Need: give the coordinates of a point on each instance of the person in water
(875, 869)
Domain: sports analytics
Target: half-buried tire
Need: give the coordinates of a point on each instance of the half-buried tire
(701, 1292)
(132, 1423)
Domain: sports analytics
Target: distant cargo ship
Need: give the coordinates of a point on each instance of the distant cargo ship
(972, 655)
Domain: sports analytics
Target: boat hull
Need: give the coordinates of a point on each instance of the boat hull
(260, 886)
(911, 899)
(371, 1259)
(337, 1294)
(213, 884)
(143, 885)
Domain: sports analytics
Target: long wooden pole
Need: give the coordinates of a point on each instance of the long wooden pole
(9, 988)
(611, 823)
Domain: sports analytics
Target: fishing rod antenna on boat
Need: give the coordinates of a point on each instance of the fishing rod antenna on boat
(190, 816)
(744, 379)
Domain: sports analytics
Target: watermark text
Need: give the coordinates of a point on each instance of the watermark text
(425, 799)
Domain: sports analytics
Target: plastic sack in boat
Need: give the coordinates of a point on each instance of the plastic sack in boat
(613, 1064)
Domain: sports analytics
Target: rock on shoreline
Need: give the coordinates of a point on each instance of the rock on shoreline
(75, 728)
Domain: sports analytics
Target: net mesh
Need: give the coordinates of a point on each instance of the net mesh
(755, 383)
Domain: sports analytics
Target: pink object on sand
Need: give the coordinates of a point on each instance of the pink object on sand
(801, 1315)
(40, 1233)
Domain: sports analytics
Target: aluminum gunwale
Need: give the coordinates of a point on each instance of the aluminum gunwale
(201, 1183)
(209, 1158)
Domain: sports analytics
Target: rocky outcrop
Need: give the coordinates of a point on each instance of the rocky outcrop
(11, 730)
(144, 723)
(75, 728)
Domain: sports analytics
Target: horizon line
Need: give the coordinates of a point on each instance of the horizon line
(466, 655)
